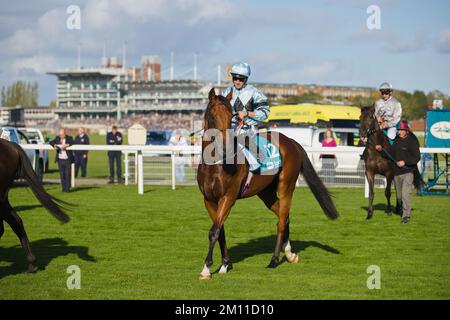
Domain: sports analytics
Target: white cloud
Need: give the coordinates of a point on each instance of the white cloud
(389, 41)
(283, 66)
(443, 43)
(21, 42)
(319, 71)
(34, 65)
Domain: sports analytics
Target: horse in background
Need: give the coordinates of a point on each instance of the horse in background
(221, 184)
(371, 134)
(14, 164)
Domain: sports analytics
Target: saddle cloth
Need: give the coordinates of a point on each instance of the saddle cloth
(262, 155)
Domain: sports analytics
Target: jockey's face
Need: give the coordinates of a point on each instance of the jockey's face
(239, 82)
(386, 94)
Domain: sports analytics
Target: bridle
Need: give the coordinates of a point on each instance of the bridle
(369, 134)
(224, 159)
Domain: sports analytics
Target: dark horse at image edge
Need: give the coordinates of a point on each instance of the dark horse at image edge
(14, 164)
(221, 185)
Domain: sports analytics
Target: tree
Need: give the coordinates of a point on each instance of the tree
(307, 97)
(20, 93)
(418, 105)
(53, 104)
(361, 101)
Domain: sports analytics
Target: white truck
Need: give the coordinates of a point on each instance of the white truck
(312, 136)
(17, 136)
(35, 136)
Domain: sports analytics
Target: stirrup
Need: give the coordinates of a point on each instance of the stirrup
(246, 184)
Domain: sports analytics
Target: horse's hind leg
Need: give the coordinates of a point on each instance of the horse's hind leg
(371, 180)
(387, 193)
(282, 208)
(290, 256)
(2, 229)
(226, 262)
(16, 224)
(270, 199)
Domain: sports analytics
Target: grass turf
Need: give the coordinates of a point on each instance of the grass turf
(153, 247)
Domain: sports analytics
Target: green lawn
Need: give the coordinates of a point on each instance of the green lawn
(153, 246)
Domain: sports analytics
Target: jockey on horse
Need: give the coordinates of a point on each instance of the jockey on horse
(250, 105)
(388, 111)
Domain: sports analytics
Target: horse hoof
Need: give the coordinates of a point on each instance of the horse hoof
(32, 269)
(273, 264)
(223, 269)
(205, 277)
(293, 259)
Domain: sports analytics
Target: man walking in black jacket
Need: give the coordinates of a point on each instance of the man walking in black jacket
(64, 157)
(114, 138)
(81, 156)
(406, 152)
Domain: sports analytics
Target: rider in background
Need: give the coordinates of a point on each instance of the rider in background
(388, 111)
(251, 106)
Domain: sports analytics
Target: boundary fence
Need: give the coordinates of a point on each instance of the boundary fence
(176, 165)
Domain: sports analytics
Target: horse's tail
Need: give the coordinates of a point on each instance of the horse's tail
(26, 172)
(317, 187)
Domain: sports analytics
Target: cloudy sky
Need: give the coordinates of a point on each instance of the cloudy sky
(323, 42)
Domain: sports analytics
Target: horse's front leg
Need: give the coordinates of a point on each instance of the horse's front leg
(218, 216)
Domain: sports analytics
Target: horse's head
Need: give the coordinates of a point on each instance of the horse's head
(218, 112)
(367, 121)
(217, 123)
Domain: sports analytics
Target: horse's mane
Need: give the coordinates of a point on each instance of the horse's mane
(367, 109)
(209, 118)
(227, 103)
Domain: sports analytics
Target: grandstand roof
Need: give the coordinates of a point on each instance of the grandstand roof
(87, 72)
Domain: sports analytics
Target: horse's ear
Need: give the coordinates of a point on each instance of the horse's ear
(229, 95)
(212, 94)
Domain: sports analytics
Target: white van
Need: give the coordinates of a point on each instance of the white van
(35, 136)
(17, 136)
(312, 136)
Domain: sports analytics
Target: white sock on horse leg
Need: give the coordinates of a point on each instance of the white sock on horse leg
(205, 272)
(292, 257)
(223, 269)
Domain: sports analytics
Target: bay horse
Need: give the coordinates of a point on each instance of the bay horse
(14, 164)
(221, 185)
(371, 135)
